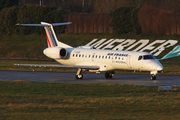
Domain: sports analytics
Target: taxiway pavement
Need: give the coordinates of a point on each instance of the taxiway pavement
(68, 77)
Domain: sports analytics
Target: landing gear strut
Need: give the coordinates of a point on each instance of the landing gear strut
(79, 74)
(109, 74)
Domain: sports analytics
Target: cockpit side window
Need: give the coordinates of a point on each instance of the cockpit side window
(140, 58)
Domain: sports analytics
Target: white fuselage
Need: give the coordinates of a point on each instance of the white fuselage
(109, 60)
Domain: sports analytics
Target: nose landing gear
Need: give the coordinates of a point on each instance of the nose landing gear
(153, 77)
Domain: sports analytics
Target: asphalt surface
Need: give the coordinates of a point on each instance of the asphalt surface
(57, 77)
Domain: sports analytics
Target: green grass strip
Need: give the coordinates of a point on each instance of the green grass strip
(37, 100)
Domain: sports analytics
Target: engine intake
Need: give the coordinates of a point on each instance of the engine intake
(55, 52)
(63, 53)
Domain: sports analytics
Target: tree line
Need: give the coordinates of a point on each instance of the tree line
(95, 6)
(137, 20)
(104, 6)
(8, 3)
(121, 21)
(29, 14)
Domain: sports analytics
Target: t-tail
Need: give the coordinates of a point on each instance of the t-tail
(52, 40)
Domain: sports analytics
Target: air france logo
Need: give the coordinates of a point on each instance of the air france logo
(117, 54)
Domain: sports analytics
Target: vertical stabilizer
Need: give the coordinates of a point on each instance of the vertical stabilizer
(52, 40)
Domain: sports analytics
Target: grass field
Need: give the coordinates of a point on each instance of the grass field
(35, 100)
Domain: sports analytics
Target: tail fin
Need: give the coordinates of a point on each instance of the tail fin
(50, 34)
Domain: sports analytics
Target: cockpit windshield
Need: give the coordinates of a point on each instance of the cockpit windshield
(146, 57)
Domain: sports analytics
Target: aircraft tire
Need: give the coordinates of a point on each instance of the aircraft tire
(79, 76)
(153, 77)
(108, 75)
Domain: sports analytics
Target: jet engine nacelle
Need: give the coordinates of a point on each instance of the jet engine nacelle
(55, 52)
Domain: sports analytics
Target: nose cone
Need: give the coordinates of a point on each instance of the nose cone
(154, 65)
(160, 67)
(157, 66)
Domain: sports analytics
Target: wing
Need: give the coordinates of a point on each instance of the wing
(61, 66)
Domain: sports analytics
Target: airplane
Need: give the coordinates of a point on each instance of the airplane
(88, 58)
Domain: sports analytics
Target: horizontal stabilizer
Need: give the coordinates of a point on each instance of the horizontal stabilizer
(61, 66)
(43, 24)
(58, 24)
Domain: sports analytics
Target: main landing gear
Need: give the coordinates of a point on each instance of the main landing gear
(109, 74)
(79, 74)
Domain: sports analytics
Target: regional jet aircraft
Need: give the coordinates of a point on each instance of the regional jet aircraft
(88, 58)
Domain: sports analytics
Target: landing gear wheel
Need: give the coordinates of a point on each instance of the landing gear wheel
(153, 77)
(79, 76)
(108, 75)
